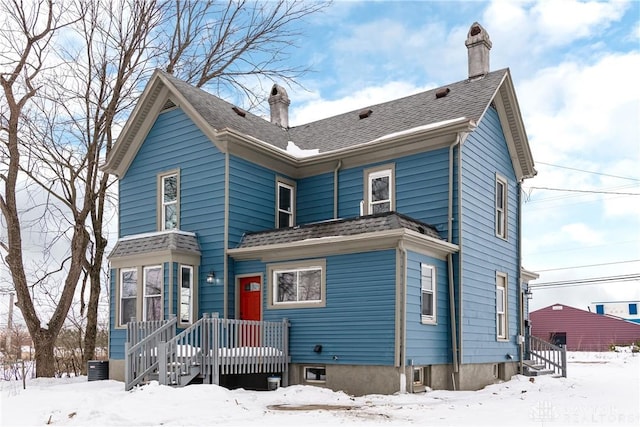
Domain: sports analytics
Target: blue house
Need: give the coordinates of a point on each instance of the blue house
(387, 240)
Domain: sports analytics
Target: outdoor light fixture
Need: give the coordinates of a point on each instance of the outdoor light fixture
(211, 277)
(317, 348)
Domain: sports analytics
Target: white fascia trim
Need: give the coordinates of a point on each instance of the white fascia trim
(155, 233)
(425, 130)
(342, 244)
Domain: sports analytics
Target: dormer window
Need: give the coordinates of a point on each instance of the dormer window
(285, 202)
(379, 189)
(169, 197)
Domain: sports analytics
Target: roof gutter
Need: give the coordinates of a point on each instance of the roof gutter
(344, 244)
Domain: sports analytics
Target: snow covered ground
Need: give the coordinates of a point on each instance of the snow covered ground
(602, 389)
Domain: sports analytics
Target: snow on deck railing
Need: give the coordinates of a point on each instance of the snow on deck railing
(552, 356)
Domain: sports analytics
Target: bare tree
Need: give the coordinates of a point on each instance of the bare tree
(26, 40)
(103, 57)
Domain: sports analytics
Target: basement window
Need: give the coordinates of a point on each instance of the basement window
(315, 374)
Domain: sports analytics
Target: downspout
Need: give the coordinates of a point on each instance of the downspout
(225, 287)
(460, 258)
(335, 189)
(403, 316)
(452, 302)
(519, 275)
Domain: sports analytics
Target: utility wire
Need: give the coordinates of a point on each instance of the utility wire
(586, 171)
(584, 191)
(585, 282)
(586, 266)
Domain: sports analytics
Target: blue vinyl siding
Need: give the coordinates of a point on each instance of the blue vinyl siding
(421, 188)
(484, 253)
(314, 199)
(252, 199)
(117, 337)
(174, 142)
(357, 325)
(427, 344)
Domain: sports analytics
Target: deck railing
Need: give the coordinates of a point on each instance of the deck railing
(210, 347)
(552, 356)
(141, 348)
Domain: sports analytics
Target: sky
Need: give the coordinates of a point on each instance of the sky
(601, 389)
(574, 66)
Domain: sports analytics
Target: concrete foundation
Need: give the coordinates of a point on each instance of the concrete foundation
(358, 380)
(116, 369)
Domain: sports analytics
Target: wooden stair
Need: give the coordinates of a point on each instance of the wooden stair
(533, 369)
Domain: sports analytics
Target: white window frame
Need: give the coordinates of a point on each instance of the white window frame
(281, 183)
(307, 368)
(296, 267)
(122, 271)
(502, 316)
(190, 304)
(428, 285)
(420, 380)
(373, 174)
(146, 296)
(501, 209)
(162, 204)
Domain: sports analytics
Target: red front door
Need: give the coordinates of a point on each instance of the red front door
(250, 309)
(250, 301)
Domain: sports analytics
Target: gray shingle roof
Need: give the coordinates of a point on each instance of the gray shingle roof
(341, 227)
(149, 243)
(220, 115)
(466, 98)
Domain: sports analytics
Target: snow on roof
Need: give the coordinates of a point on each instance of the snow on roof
(298, 152)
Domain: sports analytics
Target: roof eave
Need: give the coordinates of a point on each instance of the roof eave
(261, 152)
(334, 245)
(513, 128)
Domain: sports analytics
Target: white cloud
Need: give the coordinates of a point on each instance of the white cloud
(536, 26)
(582, 111)
(316, 108)
(582, 234)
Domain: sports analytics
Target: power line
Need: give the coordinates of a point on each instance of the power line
(586, 266)
(585, 282)
(584, 191)
(586, 171)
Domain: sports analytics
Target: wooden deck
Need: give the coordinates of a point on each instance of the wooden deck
(209, 348)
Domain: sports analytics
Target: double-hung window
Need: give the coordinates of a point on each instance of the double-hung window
(169, 195)
(428, 293)
(285, 203)
(501, 306)
(186, 294)
(379, 193)
(501, 207)
(128, 294)
(297, 284)
(152, 288)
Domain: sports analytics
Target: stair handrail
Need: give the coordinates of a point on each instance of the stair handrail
(553, 357)
(141, 356)
(182, 351)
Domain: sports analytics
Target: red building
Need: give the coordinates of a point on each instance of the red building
(582, 330)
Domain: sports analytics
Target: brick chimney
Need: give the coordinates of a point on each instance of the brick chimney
(279, 106)
(478, 47)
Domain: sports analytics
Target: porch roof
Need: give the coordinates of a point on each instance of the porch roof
(340, 227)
